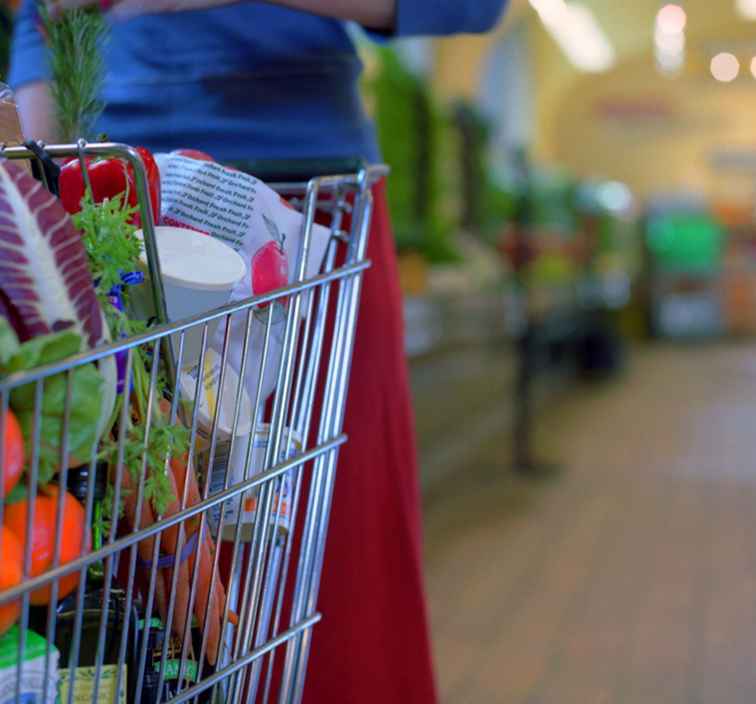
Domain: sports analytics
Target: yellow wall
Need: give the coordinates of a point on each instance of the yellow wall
(573, 130)
(667, 133)
(459, 66)
(460, 61)
(554, 79)
(701, 116)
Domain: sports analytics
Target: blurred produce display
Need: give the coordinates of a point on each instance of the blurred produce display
(485, 203)
(609, 246)
(685, 245)
(453, 208)
(542, 245)
(443, 184)
(411, 131)
(738, 267)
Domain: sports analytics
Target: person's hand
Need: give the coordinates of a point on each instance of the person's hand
(376, 14)
(56, 7)
(123, 9)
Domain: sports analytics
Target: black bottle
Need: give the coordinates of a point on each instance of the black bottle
(94, 603)
(172, 685)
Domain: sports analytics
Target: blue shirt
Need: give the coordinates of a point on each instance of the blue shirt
(250, 80)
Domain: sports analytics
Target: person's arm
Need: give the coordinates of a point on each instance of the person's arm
(379, 15)
(392, 17)
(376, 14)
(29, 75)
(446, 17)
(36, 109)
(408, 17)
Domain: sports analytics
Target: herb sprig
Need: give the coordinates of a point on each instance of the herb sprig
(75, 41)
(110, 240)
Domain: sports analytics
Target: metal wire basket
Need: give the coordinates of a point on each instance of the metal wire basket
(264, 530)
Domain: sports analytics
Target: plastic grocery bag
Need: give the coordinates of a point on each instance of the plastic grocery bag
(255, 221)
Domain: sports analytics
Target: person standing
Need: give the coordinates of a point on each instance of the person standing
(279, 80)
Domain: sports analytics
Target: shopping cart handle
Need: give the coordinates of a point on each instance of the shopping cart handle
(290, 171)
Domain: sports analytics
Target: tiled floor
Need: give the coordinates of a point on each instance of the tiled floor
(629, 578)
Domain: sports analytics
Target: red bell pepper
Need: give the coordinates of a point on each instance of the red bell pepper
(109, 178)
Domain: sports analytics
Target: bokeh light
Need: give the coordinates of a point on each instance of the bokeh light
(725, 67)
(747, 8)
(671, 19)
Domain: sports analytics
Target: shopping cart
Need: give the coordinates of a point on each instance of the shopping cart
(265, 531)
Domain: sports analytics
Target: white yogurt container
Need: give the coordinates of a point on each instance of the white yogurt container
(199, 273)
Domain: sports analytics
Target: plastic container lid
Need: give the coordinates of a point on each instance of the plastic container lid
(191, 259)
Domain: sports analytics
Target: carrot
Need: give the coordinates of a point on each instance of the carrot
(145, 547)
(208, 609)
(193, 497)
(170, 542)
(210, 619)
(208, 613)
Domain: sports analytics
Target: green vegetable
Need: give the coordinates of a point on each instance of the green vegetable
(8, 342)
(86, 396)
(109, 239)
(113, 249)
(164, 440)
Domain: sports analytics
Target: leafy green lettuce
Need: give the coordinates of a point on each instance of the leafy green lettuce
(85, 405)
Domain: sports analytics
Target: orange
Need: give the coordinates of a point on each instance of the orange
(11, 561)
(43, 537)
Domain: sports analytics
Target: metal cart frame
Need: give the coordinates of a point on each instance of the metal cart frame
(277, 606)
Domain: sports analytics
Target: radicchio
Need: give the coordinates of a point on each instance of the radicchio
(45, 282)
(44, 273)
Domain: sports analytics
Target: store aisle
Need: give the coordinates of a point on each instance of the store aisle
(629, 578)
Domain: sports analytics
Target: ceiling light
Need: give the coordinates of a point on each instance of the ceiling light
(747, 8)
(575, 29)
(671, 19)
(669, 38)
(725, 67)
(550, 11)
(616, 196)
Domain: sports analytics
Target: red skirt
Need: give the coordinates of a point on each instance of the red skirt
(373, 644)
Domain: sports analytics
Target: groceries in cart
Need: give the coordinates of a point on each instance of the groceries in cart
(252, 219)
(96, 450)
